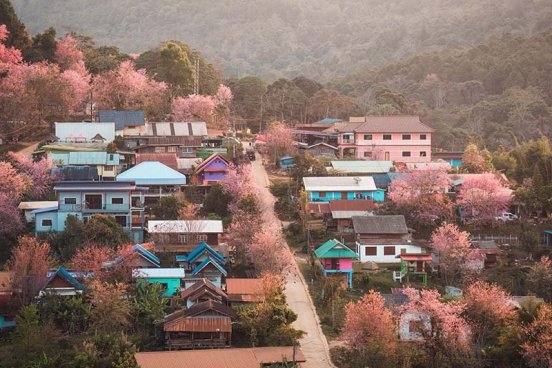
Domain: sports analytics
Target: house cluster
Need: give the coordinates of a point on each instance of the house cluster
(122, 165)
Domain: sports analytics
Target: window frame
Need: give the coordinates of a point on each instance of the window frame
(66, 198)
(406, 154)
(423, 154)
(423, 137)
(387, 250)
(114, 198)
(368, 137)
(369, 254)
(387, 137)
(407, 137)
(44, 225)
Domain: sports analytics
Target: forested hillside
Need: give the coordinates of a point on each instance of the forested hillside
(272, 38)
(494, 94)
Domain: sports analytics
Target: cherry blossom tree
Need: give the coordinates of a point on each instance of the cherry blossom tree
(189, 211)
(488, 309)
(537, 349)
(110, 306)
(474, 161)
(239, 181)
(38, 172)
(193, 107)
(9, 56)
(457, 257)
(91, 258)
(241, 233)
(448, 335)
(12, 183)
(30, 261)
(375, 336)
(10, 216)
(127, 88)
(279, 141)
(484, 197)
(224, 96)
(268, 251)
(539, 278)
(67, 53)
(422, 194)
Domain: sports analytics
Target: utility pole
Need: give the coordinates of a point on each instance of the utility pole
(261, 121)
(196, 76)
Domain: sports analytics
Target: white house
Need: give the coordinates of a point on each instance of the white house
(381, 239)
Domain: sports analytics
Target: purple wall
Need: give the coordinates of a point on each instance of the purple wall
(217, 163)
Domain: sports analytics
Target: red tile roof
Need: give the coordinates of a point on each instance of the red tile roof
(200, 308)
(388, 124)
(415, 257)
(219, 358)
(356, 205)
(319, 207)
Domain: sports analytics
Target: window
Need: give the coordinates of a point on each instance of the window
(117, 200)
(322, 194)
(423, 154)
(121, 220)
(389, 251)
(368, 154)
(70, 200)
(367, 137)
(46, 222)
(371, 251)
(110, 157)
(187, 149)
(387, 137)
(159, 149)
(182, 238)
(172, 149)
(406, 137)
(109, 167)
(406, 154)
(202, 238)
(423, 137)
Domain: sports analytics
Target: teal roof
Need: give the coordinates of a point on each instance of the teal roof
(204, 264)
(84, 158)
(64, 274)
(152, 173)
(334, 249)
(200, 250)
(147, 254)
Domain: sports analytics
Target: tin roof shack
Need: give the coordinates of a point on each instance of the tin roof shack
(202, 291)
(489, 248)
(242, 291)
(29, 207)
(336, 258)
(123, 119)
(338, 214)
(204, 325)
(63, 283)
(412, 265)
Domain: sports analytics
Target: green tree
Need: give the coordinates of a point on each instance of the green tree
(217, 201)
(109, 350)
(148, 308)
(43, 47)
(69, 314)
(105, 231)
(167, 208)
(18, 37)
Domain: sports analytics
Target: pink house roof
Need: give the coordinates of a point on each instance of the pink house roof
(388, 124)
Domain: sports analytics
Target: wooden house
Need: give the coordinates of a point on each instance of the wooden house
(381, 239)
(412, 265)
(203, 291)
(336, 258)
(338, 214)
(183, 235)
(204, 325)
(136, 257)
(320, 150)
(210, 269)
(212, 170)
(241, 291)
(62, 282)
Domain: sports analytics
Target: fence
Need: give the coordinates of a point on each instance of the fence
(499, 239)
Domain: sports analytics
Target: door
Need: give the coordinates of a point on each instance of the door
(93, 201)
(335, 264)
(386, 156)
(419, 266)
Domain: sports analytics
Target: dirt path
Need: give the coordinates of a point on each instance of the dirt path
(314, 344)
(28, 151)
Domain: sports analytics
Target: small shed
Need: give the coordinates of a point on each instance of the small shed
(286, 162)
(62, 282)
(413, 265)
(336, 257)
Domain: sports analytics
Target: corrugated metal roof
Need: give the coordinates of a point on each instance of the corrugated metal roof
(202, 285)
(334, 249)
(250, 289)
(388, 124)
(93, 185)
(199, 324)
(219, 358)
(201, 308)
(73, 131)
(180, 128)
(158, 273)
(37, 205)
(384, 224)
(168, 159)
(185, 226)
(152, 173)
(339, 183)
(362, 167)
(122, 118)
(93, 158)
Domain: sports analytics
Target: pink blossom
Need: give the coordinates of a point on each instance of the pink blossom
(484, 197)
(224, 95)
(67, 53)
(9, 56)
(193, 107)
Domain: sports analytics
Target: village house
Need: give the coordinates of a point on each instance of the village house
(180, 138)
(63, 283)
(203, 262)
(201, 291)
(242, 291)
(319, 150)
(389, 138)
(325, 189)
(490, 251)
(107, 164)
(203, 325)
(337, 215)
(227, 358)
(381, 239)
(212, 170)
(125, 121)
(410, 324)
(413, 265)
(361, 167)
(29, 207)
(81, 132)
(159, 179)
(336, 258)
(136, 257)
(184, 235)
(83, 199)
(169, 278)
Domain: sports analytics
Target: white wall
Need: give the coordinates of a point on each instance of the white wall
(381, 258)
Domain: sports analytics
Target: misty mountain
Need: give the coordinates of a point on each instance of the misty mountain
(271, 38)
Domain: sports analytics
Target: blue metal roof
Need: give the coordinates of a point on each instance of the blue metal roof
(93, 158)
(147, 254)
(64, 274)
(329, 121)
(47, 209)
(85, 173)
(152, 173)
(207, 261)
(200, 250)
(122, 118)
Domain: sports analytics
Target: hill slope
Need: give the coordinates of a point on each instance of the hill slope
(318, 38)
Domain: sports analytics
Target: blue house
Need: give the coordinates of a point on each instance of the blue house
(325, 189)
(122, 119)
(198, 255)
(168, 278)
(83, 199)
(335, 258)
(203, 262)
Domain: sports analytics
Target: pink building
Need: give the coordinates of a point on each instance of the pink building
(389, 138)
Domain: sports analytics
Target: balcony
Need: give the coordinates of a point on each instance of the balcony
(92, 209)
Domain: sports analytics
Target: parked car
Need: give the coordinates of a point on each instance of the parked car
(251, 154)
(506, 216)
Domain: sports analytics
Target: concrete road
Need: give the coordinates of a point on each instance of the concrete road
(314, 344)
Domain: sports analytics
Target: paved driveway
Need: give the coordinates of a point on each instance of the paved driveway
(314, 344)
